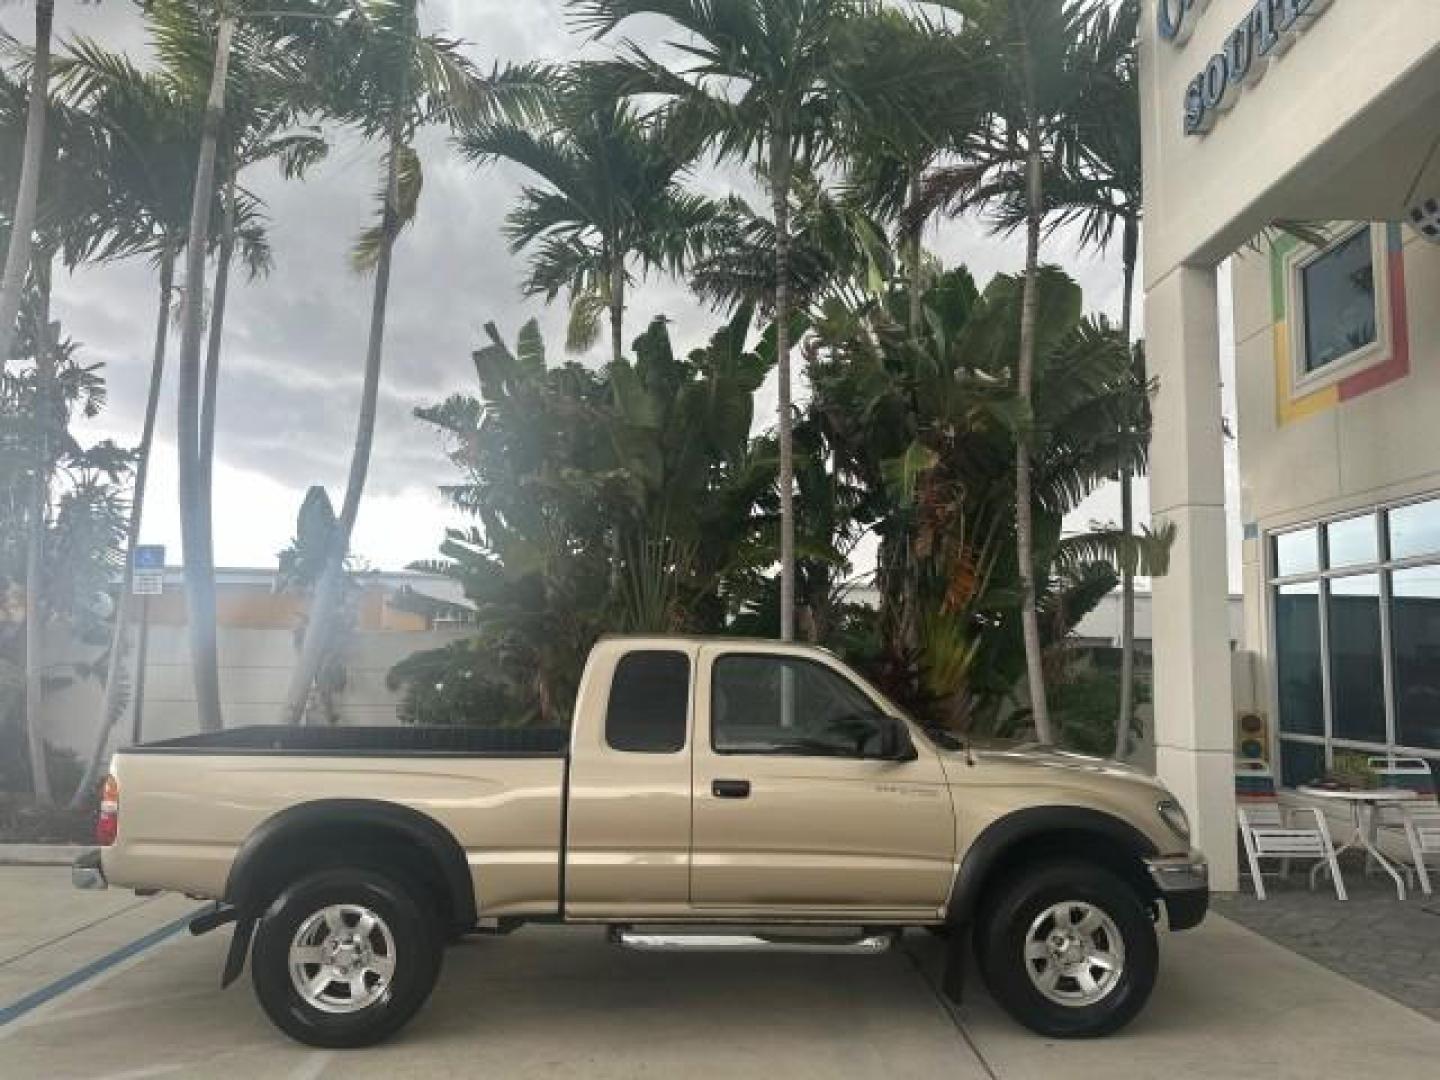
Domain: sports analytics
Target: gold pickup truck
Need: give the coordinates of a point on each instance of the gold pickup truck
(710, 794)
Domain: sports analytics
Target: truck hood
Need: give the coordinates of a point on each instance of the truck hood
(1050, 759)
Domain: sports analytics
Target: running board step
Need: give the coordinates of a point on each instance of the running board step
(866, 944)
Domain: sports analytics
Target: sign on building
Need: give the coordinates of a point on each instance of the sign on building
(148, 570)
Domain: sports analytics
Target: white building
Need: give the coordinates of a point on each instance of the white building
(1315, 111)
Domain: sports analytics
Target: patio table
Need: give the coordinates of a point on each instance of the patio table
(1362, 806)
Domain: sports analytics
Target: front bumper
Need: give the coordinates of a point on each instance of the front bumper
(1183, 882)
(86, 872)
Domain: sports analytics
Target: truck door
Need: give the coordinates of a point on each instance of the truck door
(628, 819)
(792, 810)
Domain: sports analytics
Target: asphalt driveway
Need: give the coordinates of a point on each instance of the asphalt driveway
(562, 1003)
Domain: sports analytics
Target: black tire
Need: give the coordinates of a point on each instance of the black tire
(1004, 929)
(412, 924)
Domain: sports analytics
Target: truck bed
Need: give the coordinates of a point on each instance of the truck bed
(408, 741)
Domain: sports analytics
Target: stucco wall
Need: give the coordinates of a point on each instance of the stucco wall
(254, 668)
(1301, 143)
(1379, 447)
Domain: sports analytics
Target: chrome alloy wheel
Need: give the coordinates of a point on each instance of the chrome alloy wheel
(1074, 954)
(342, 958)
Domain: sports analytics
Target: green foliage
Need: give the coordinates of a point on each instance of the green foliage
(84, 508)
(1086, 701)
(611, 203)
(630, 498)
(926, 428)
(301, 565)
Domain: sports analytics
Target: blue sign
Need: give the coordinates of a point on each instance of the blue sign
(149, 556)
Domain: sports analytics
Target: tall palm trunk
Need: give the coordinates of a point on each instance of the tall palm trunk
(22, 233)
(914, 254)
(35, 549)
(1127, 525)
(199, 572)
(1024, 505)
(617, 308)
(325, 606)
(780, 168)
(110, 702)
(210, 389)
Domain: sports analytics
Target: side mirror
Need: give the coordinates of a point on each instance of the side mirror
(895, 741)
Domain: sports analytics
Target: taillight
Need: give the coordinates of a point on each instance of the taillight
(107, 825)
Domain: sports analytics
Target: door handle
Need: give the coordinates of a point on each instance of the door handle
(730, 789)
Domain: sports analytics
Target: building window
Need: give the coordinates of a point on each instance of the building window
(1415, 632)
(1355, 614)
(1338, 297)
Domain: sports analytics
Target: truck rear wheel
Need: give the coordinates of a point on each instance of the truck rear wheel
(345, 957)
(1068, 949)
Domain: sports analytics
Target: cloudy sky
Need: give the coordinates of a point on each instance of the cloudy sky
(295, 340)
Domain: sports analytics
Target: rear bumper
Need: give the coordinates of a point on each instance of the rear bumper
(86, 872)
(1183, 882)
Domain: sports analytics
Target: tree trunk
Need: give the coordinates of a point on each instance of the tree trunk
(325, 605)
(27, 198)
(617, 308)
(915, 254)
(199, 573)
(210, 390)
(780, 205)
(35, 550)
(1127, 525)
(1024, 506)
(110, 704)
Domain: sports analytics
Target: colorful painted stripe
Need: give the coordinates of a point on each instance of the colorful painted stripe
(1391, 369)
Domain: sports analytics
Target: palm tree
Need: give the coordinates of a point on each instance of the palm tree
(194, 533)
(898, 135)
(1027, 49)
(62, 541)
(1096, 185)
(785, 64)
(280, 25)
(149, 122)
(1102, 191)
(27, 197)
(837, 251)
(264, 95)
(379, 74)
(611, 199)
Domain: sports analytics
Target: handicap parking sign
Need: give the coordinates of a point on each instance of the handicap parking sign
(148, 578)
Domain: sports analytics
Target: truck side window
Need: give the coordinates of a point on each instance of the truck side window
(649, 703)
(784, 705)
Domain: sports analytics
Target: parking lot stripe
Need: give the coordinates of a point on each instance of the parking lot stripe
(77, 930)
(33, 1000)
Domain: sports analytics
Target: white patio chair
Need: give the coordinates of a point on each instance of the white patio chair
(1418, 821)
(1269, 831)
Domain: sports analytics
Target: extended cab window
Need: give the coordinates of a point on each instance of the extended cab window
(649, 701)
(786, 705)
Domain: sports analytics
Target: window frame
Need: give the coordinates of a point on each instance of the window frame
(839, 673)
(1385, 567)
(1303, 382)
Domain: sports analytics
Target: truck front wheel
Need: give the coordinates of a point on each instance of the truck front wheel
(345, 957)
(1068, 949)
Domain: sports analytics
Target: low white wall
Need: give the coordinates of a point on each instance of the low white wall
(255, 667)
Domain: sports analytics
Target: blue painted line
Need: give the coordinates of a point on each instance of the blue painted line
(35, 999)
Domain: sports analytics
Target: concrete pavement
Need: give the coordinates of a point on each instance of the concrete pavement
(559, 1002)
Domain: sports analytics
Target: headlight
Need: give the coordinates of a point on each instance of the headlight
(1173, 814)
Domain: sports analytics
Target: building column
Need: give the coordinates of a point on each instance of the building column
(1194, 733)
